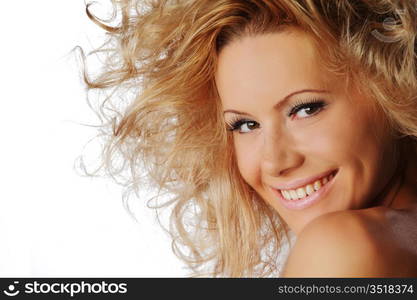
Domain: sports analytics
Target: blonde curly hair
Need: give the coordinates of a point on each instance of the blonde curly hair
(162, 121)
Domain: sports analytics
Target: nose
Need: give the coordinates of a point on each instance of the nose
(279, 153)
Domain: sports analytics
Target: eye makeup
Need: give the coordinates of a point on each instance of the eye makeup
(311, 107)
(306, 104)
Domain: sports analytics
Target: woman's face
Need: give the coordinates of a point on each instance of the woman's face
(303, 142)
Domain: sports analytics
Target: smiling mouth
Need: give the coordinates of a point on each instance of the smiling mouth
(308, 189)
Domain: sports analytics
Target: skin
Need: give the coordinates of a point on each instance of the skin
(254, 74)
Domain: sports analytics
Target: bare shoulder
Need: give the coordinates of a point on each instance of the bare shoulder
(353, 243)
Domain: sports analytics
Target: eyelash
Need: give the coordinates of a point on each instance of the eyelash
(298, 105)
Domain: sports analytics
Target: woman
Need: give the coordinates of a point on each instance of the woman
(261, 119)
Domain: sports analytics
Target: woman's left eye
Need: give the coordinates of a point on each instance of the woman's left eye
(304, 110)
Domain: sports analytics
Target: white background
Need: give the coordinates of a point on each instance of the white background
(52, 221)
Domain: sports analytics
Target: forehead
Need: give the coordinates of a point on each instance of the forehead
(282, 62)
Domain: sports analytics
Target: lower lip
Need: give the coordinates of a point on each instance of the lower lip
(306, 201)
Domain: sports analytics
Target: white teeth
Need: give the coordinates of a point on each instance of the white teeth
(306, 190)
(301, 193)
(293, 194)
(286, 195)
(309, 189)
(317, 185)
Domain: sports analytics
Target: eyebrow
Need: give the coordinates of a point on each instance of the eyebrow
(281, 102)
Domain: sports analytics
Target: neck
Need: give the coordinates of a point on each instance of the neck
(401, 190)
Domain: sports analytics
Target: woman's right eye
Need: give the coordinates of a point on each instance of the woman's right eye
(243, 125)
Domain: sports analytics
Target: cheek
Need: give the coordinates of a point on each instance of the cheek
(248, 160)
(350, 139)
(341, 135)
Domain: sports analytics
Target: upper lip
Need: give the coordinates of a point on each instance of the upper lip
(301, 182)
